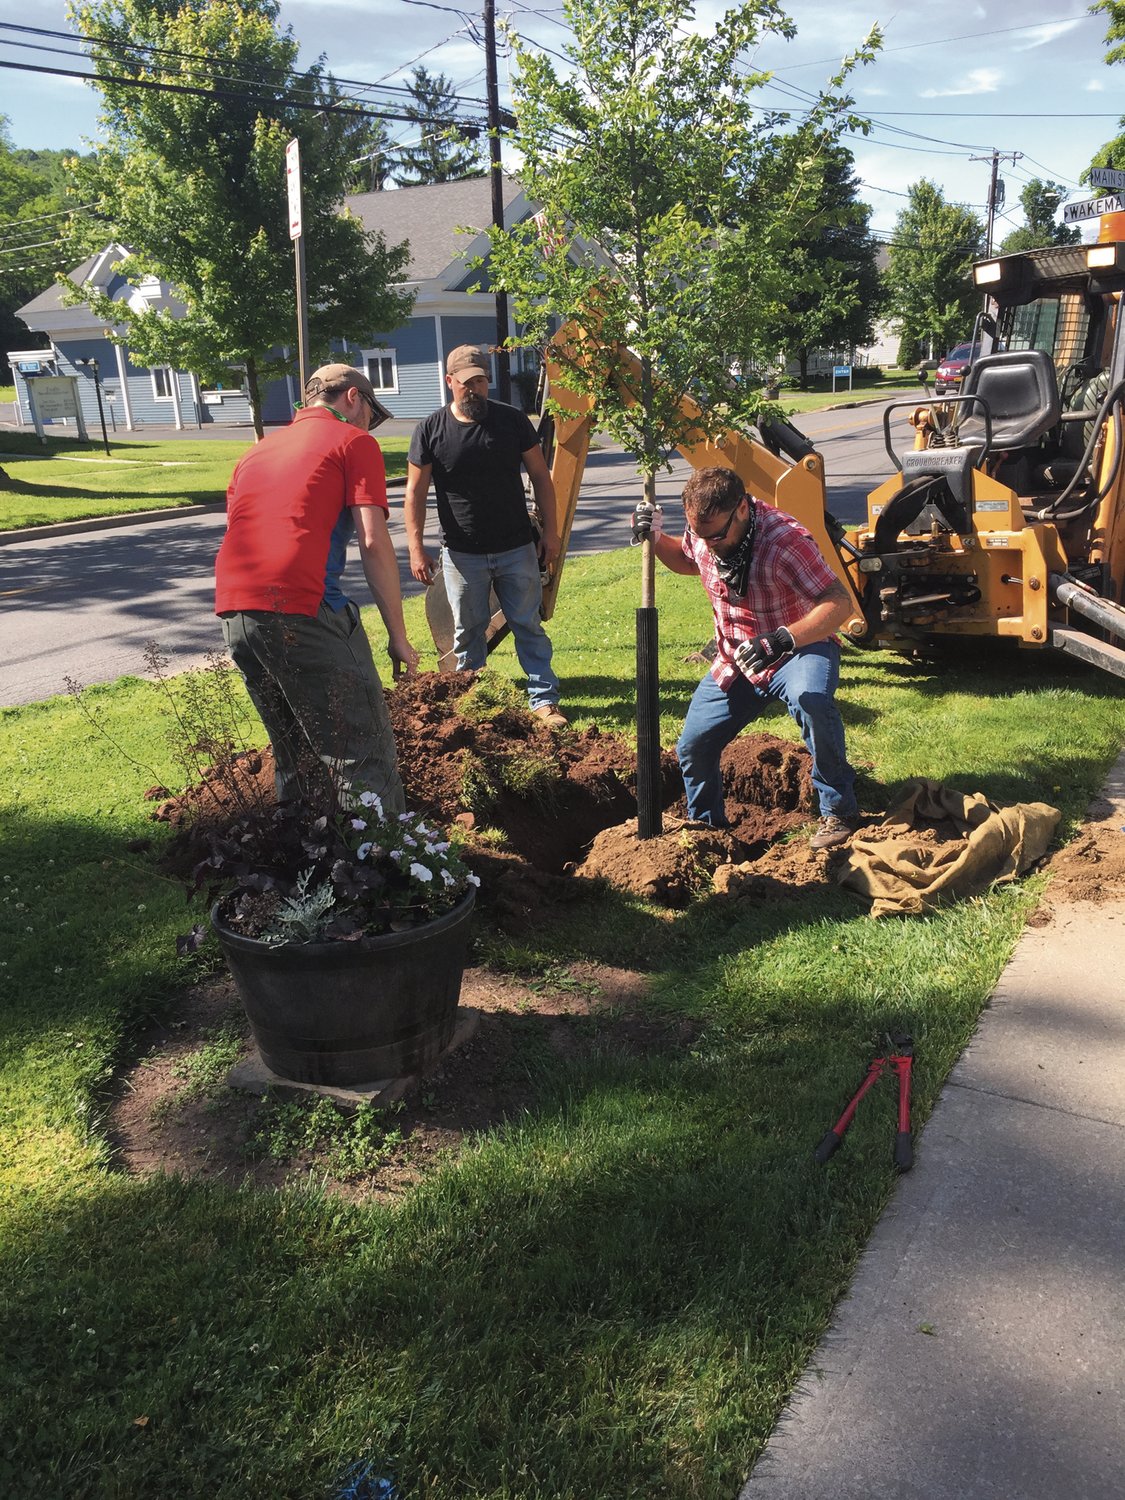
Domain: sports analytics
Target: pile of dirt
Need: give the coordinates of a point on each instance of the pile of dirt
(534, 800)
(1092, 867)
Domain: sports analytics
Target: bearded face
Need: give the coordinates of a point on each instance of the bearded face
(472, 405)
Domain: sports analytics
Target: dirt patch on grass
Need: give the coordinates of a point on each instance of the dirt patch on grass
(174, 1113)
(1092, 866)
(545, 813)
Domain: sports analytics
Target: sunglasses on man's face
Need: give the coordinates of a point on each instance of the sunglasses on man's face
(717, 536)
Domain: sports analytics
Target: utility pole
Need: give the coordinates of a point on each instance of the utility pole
(503, 366)
(994, 201)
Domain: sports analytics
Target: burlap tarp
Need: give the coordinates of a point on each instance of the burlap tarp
(910, 865)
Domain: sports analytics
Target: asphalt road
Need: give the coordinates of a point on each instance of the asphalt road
(85, 606)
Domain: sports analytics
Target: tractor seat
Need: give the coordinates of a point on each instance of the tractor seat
(1022, 391)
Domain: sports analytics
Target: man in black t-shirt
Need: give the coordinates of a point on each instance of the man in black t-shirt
(474, 450)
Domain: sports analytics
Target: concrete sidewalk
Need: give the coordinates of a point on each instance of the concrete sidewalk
(1008, 1242)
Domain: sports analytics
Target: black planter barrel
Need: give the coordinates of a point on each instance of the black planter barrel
(352, 1012)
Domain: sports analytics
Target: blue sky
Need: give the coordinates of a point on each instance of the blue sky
(955, 80)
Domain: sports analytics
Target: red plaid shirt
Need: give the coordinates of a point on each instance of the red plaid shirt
(787, 576)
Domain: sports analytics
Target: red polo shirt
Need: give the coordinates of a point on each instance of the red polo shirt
(284, 498)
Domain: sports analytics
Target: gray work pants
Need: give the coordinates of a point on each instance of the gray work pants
(314, 684)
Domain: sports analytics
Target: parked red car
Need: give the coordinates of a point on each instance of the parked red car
(951, 370)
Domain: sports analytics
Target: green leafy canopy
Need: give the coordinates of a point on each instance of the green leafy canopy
(678, 194)
(194, 186)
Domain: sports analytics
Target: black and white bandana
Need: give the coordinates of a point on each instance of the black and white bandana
(735, 569)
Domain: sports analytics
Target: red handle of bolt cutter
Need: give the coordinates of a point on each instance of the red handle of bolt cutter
(904, 1144)
(833, 1137)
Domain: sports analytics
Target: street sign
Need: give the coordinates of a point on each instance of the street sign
(842, 370)
(1093, 208)
(293, 183)
(1107, 177)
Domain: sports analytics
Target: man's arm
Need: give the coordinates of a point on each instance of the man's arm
(380, 568)
(543, 488)
(831, 609)
(414, 515)
(672, 555)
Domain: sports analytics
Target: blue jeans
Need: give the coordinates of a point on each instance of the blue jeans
(806, 684)
(519, 590)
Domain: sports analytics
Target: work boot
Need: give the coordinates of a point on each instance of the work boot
(549, 713)
(833, 830)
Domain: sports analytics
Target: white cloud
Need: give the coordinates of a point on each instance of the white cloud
(977, 81)
(1042, 35)
(1095, 86)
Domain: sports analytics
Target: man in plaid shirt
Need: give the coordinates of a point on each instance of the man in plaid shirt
(777, 606)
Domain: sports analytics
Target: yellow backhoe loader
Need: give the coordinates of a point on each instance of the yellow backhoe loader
(1005, 516)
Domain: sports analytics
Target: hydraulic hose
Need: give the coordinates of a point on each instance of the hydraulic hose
(1101, 612)
(1053, 511)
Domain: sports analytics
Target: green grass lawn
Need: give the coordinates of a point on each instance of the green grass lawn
(609, 1297)
(901, 384)
(65, 480)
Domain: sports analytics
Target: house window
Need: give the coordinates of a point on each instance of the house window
(382, 368)
(162, 383)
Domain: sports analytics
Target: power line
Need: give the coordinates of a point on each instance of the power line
(941, 41)
(232, 75)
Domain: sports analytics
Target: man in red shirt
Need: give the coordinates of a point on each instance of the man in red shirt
(308, 665)
(777, 605)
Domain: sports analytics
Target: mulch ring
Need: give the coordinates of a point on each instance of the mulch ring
(162, 1120)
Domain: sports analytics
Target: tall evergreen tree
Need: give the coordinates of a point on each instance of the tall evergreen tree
(194, 185)
(443, 154)
(930, 290)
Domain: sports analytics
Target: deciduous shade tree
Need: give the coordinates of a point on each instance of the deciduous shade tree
(838, 291)
(194, 185)
(930, 291)
(670, 199)
(33, 235)
(442, 151)
(1112, 154)
(1040, 203)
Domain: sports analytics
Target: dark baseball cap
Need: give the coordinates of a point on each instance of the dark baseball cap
(469, 359)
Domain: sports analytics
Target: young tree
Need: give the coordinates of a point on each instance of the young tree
(1040, 203)
(443, 153)
(194, 185)
(929, 287)
(679, 197)
(839, 291)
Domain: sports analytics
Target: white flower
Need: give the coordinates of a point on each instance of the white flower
(447, 878)
(473, 879)
(420, 872)
(369, 799)
(398, 853)
(363, 851)
(411, 843)
(358, 824)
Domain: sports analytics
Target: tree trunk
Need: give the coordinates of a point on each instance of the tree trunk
(255, 398)
(803, 356)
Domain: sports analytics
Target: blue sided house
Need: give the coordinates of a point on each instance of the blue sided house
(444, 225)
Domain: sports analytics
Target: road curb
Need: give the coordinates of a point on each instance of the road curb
(127, 518)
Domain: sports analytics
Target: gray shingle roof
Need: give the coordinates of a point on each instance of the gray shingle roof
(429, 217)
(51, 299)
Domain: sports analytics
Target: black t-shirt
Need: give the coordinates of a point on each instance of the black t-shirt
(477, 476)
